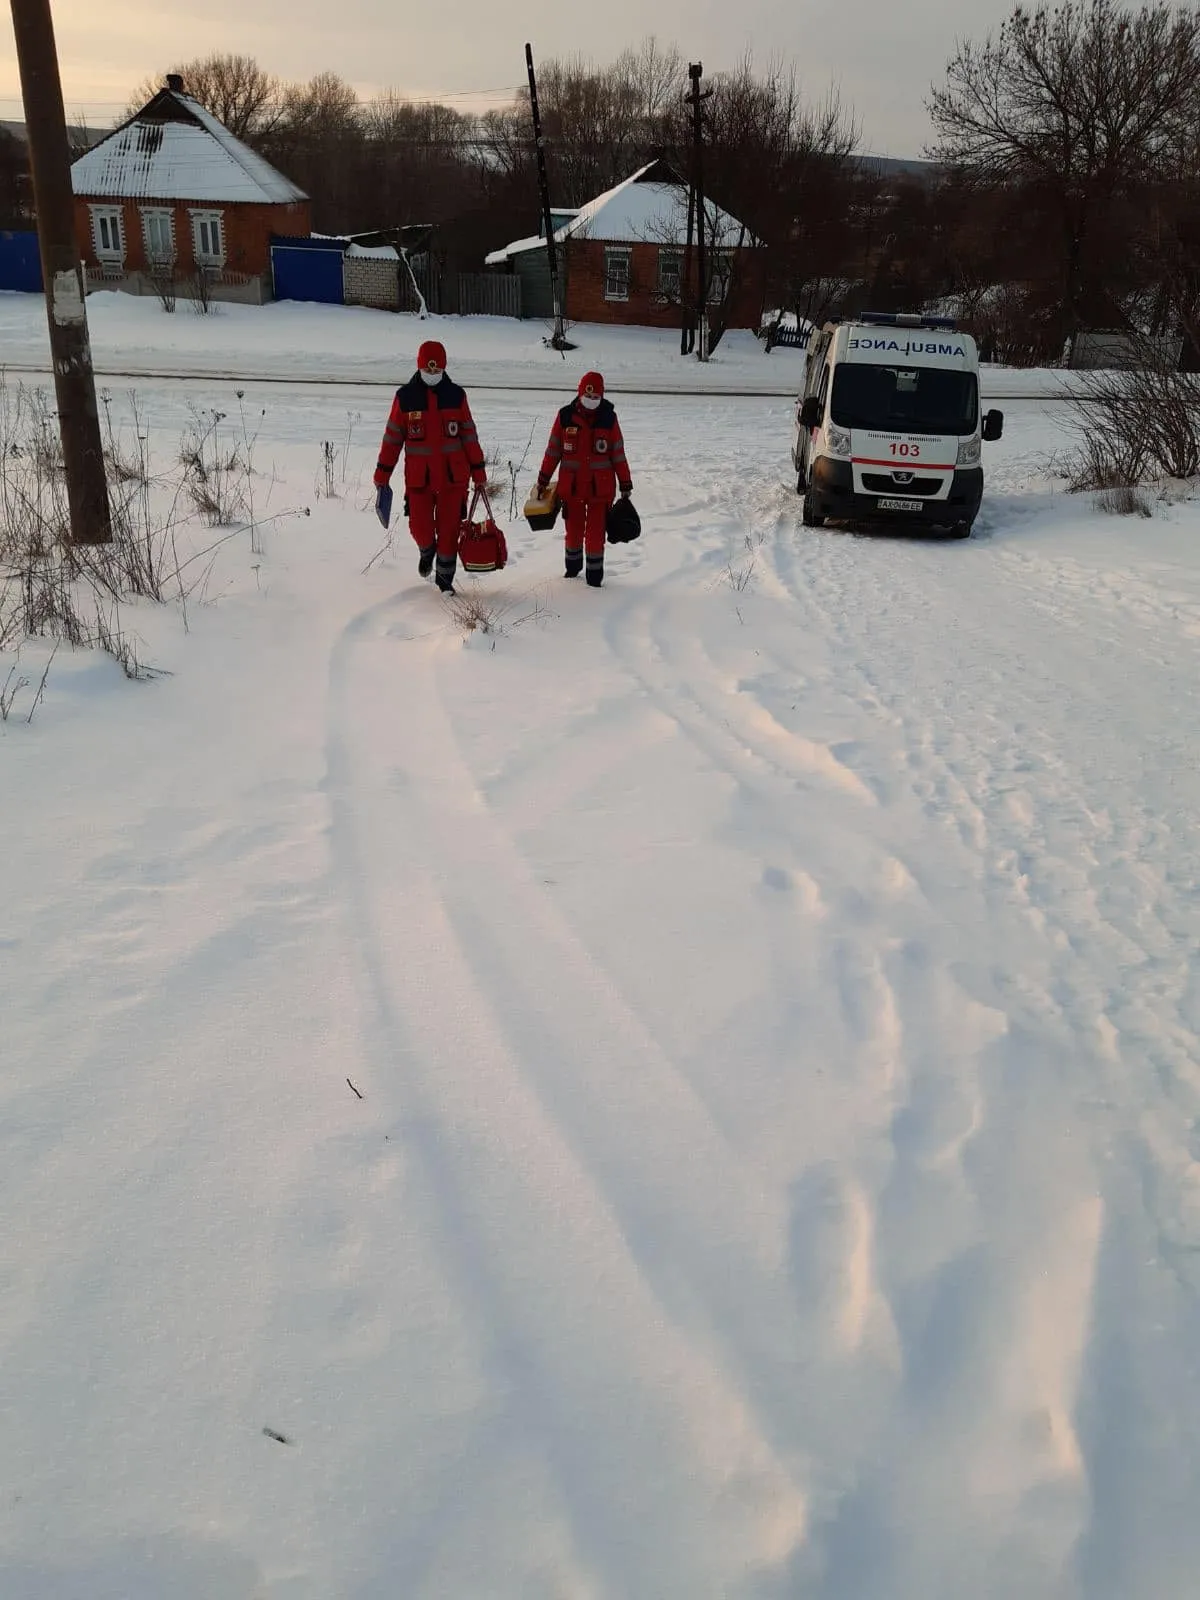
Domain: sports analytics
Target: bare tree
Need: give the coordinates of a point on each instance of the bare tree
(234, 88)
(651, 77)
(318, 141)
(16, 190)
(781, 163)
(1082, 106)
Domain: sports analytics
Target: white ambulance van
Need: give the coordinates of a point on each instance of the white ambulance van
(889, 428)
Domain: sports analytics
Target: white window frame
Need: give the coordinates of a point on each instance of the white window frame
(202, 222)
(154, 217)
(108, 221)
(614, 254)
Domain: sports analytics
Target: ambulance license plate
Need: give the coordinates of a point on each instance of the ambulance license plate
(901, 505)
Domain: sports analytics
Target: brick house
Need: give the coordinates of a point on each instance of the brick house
(171, 194)
(622, 257)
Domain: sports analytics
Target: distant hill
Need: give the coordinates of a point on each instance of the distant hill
(91, 135)
(900, 167)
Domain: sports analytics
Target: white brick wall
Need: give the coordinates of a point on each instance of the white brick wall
(371, 282)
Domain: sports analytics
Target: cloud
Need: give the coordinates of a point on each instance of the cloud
(882, 56)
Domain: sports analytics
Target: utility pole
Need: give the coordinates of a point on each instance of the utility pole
(687, 325)
(62, 274)
(696, 100)
(558, 340)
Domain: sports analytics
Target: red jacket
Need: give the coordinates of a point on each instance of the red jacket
(587, 449)
(432, 424)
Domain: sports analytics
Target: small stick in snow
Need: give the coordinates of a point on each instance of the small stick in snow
(37, 699)
(279, 1438)
(355, 1090)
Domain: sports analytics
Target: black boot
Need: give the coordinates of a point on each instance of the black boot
(425, 555)
(447, 566)
(574, 563)
(595, 571)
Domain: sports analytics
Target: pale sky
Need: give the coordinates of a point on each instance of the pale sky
(882, 55)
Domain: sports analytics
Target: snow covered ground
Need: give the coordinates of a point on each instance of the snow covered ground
(771, 986)
(347, 344)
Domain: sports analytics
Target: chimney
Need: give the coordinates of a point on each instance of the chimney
(175, 82)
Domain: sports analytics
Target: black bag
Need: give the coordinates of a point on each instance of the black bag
(622, 522)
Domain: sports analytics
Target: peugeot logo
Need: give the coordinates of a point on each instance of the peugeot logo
(902, 477)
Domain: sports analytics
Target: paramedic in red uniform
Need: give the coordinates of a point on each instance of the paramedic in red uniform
(587, 449)
(431, 422)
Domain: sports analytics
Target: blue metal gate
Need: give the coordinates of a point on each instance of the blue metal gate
(20, 263)
(308, 269)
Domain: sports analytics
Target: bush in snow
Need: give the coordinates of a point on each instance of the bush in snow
(50, 588)
(478, 610)
(1124, 502)
(1136, 425)
(217, 470)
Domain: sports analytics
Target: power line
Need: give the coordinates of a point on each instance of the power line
(83, 103)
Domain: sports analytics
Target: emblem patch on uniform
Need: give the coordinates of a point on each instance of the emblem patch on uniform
(601, 446)
(452, 430)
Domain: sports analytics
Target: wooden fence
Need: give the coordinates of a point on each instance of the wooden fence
(466, 294)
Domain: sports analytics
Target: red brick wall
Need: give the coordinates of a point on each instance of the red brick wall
(645, 308)
(247, 229)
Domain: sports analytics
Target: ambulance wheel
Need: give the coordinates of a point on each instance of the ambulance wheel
(960, 530)
(800, 483)
(809, 517)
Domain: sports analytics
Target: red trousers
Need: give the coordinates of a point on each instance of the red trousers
(434, 517)
(585, 525)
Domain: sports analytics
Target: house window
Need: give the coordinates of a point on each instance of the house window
(160, 238)
(720, 272)
(616, 274)
(208, 238)
(670, 275)
(108, 235)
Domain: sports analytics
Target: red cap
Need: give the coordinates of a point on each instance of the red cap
(431, 357)
(592, 385)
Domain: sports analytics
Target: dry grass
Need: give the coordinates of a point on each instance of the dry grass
(478, 610)
(1124, 500)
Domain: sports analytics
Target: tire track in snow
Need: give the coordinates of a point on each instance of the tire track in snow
(944, 1141)
(1057, 884)
(662, 1469)
(909, 1143)
(1086, 873)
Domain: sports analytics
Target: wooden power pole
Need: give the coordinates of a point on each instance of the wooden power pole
(696, 199)
(687, 323)
(559, 339)
(62, 273)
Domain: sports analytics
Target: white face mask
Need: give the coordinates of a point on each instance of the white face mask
(590, 402)
(432, 378)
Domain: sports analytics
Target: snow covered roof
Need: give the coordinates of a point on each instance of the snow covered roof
(650, 207)
(176, 150)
